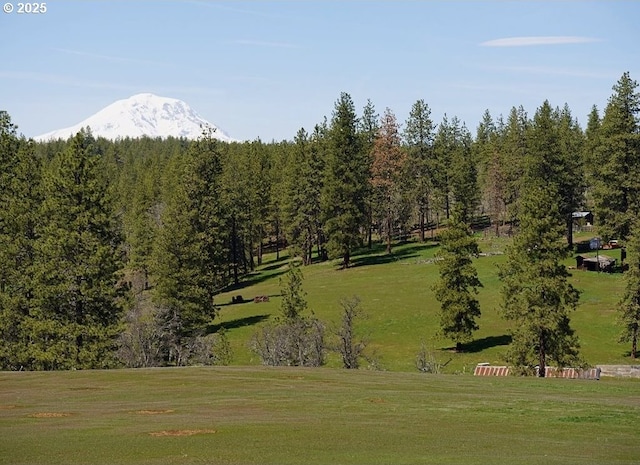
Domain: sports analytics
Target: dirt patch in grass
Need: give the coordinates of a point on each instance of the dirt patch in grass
(181, 432)
(377, 400)
(7, 407)
(153, 412)
(49, 415)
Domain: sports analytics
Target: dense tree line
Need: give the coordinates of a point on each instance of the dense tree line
(120, 247)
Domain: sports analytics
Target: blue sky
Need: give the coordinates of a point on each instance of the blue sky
(265, 69)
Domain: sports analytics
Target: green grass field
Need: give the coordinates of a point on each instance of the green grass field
(249, 414)
(396, 293)
(259, 415)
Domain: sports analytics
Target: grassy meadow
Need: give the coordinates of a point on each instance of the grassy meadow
(260, 415)
(396, 294)
(249, 414)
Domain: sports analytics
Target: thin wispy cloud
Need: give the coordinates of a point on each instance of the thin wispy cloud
(544, 70)
(537, 40)
(108, 57)
(263, 43)
(73, 82)
(62, 80)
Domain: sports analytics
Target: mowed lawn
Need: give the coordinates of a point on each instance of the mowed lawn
(402, 312)
(260, 415)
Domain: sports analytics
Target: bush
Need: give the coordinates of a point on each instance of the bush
(143, 341)
(149, 340)
(426, 361)
(291, 342)
(349, 346)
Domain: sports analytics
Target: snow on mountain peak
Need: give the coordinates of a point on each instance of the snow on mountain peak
(143, 114)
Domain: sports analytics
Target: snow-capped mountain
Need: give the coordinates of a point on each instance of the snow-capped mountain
(143, 115)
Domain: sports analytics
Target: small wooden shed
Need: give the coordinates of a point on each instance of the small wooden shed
(599, 263)
(582, 220)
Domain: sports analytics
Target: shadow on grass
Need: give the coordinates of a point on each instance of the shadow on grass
(275, 264)
(255, 277)
(378, 256)
(238, 323)
(479, 345)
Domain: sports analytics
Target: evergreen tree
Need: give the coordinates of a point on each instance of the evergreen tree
(302, 207)
(629, 306)
(255, 159)
(455, 169)
(346, 180)
(616, 184)
(139, 223)
(278, 193)
(293, 296)
(238, 201)
(75, 317)
(458, 282)
(495, 187)
(572, 182)
(190, 254)
(443, 147)
(298, 229)
(463, 177)
(20, 199)
(537, 297)
(9, 159)
(10, 314)
(544, 158)
(418, 136)
(368, 127)
(491, 174)
(592, 140)
(590, 158)
(246, 191)
(485, 133)
(513, 148)
(388, 166)
(296, 339)
(315, 168)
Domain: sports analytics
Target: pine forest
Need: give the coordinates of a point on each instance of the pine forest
(113, 253)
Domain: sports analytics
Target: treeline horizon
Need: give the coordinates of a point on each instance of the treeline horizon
(112, 252)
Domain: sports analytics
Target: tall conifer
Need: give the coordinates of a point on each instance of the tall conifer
(387, 170)
(190, 253)
(418, 136)
(629, 305)
(20, 199)
(76, 313)
(458, 282)
(346, 180)
(617, 180)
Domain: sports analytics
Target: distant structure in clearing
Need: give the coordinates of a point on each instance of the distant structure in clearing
(485, 369)
(582, 221)
(599, 263)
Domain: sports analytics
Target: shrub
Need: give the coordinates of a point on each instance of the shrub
(291, 342)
